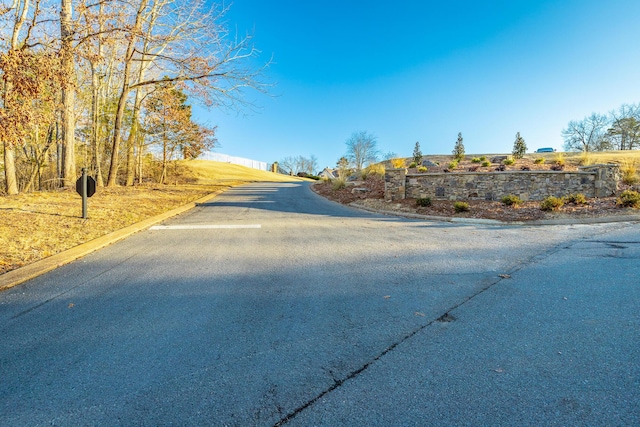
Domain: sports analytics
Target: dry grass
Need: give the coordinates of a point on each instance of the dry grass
(208, 172)
(629, 172)
(576, 158)
(37, 225)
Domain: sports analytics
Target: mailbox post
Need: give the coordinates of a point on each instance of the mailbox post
(86, 187)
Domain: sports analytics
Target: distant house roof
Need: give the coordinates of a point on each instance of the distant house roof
(328, 173)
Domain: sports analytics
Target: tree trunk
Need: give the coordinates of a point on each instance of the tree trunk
(124, 94)
(11, 183)
(131, 141)
(68, 93)
(95, 126)
(164, 161)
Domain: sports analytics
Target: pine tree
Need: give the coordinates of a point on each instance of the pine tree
(519, 147)
(458, 150)
(417, 154)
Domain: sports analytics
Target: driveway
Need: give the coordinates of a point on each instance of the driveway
(272, 306)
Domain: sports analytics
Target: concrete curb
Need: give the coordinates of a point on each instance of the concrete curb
(481, 221)
(23, 274)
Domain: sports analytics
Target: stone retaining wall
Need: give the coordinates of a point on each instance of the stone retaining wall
(592, 181)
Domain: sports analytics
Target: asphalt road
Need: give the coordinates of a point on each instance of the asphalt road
(271, 306)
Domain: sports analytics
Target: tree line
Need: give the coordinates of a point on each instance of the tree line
(617, 130)
(103, 84)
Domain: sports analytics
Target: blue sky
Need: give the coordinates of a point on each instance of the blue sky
(410, 71)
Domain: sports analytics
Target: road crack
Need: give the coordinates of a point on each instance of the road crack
(444, 318)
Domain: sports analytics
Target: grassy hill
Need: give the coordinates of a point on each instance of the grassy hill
(210, 172)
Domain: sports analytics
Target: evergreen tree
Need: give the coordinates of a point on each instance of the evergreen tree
(458, 150)
(343, 167)
(417, 154)
(519, 147)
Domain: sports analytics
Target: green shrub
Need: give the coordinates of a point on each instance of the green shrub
(551, 204)
(483, 158)
(422, 169)
(453, 165)
(413, 165)
(476, 160)
(629, 199)
(576, 199)
(511, 200)
(423, 201)
(486, 163)
(461, 207)
(508, 162)
(539, 161)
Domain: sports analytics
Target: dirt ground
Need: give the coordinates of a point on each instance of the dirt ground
(373, 197)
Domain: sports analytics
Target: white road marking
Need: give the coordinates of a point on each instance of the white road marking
(204, 227)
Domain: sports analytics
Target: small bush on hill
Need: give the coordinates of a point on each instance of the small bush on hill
(629, 199)
(585, 159)
(539, 161)
(376, 169)
(476, 160)
(576, 199)
(461, 207)
(486, 163)
(453, 165)
(508, 162)
(551, 204)
(629, 173)
(397, 163)
(338, 184)
(422, 169)
(511, 200)
(423, 201)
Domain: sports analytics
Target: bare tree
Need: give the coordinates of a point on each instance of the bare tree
(362, 149)
(587, 134)
(196, 51)
(624, 131)
(298, 164)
